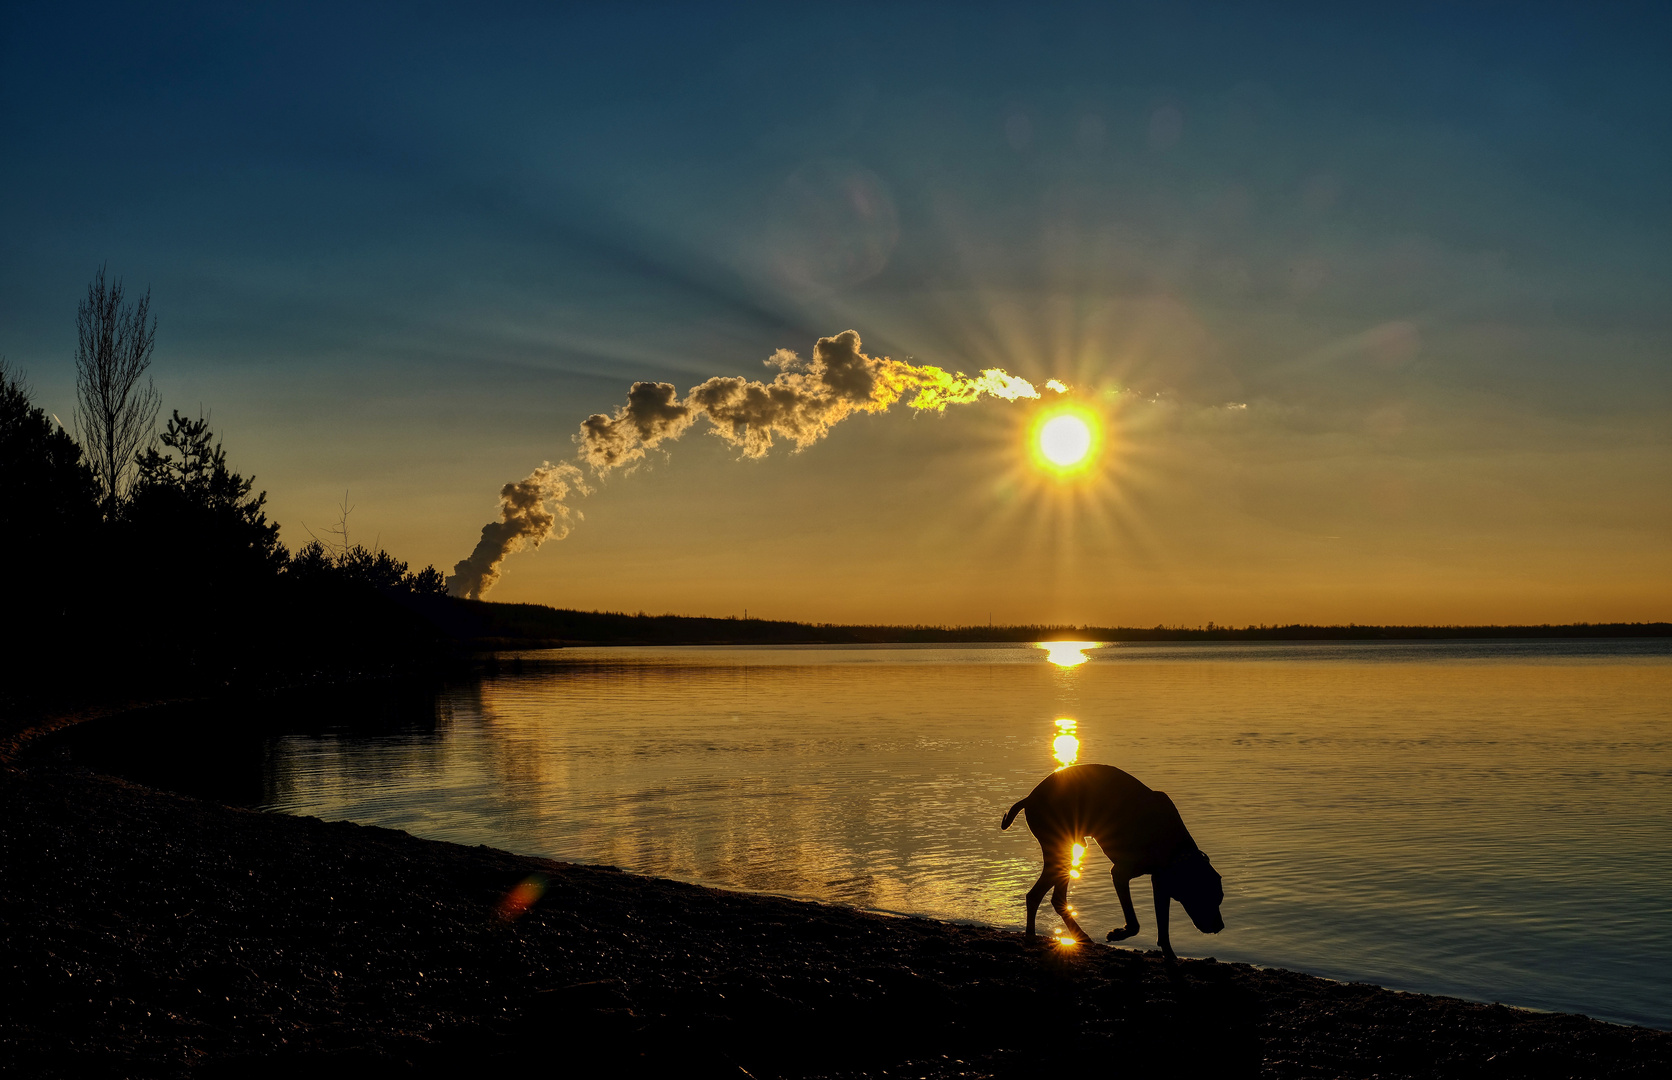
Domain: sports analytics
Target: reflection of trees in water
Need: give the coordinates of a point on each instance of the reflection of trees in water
(243, 750)
(748, 776)
(320, 746)
(654, 768)
(195, 748)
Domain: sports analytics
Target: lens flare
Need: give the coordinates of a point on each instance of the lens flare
(1074, 862)
(523, 896)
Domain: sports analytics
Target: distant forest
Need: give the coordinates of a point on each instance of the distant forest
(523, 625)
(141, 563)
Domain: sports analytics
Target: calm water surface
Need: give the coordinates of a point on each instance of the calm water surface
(1487, 820)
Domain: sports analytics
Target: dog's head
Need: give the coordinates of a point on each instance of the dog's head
(1193, 881)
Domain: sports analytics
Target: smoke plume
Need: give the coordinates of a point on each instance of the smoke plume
(524, 519)
(800, 404)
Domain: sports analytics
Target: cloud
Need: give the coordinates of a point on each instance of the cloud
(652, 413)
(524, 520)
(800, 405)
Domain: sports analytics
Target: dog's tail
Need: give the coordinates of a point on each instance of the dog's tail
(1010, 815)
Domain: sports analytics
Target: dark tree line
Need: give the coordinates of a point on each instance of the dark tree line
(49, 512)
(140, 560)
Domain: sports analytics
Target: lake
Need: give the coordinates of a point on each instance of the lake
(1487, 820)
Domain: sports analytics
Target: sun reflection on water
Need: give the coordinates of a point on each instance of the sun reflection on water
(1065, 747)
(1067, 653)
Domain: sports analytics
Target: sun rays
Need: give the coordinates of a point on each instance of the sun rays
(1066, 475)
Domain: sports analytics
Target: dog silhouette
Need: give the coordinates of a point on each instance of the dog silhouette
(1138, 829)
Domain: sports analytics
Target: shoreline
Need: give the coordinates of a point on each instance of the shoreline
(149, 933)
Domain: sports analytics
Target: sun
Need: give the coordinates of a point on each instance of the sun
(1065, 441)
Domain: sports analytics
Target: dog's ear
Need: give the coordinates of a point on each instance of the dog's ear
(1189, 872)
(1171, 876)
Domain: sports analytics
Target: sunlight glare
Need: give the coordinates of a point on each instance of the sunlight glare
(1066, 746)
(1065, 440)
(1067, 653)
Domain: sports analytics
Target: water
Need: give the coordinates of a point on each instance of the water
(1489, 820)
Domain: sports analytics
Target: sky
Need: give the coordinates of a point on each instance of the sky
(1373, 310)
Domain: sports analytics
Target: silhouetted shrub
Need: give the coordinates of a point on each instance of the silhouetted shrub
(361, 567)
(196, 515)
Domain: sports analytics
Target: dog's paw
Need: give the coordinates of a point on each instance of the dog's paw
(1121, 933)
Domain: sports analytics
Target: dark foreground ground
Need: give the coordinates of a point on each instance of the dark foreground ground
(149, 934)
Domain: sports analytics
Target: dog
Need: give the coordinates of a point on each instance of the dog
(1138, 829)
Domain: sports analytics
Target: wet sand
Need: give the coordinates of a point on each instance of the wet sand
(144, 933)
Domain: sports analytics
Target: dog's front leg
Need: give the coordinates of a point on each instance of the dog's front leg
(1123, 889)
(1163, 908)
(1037, 893)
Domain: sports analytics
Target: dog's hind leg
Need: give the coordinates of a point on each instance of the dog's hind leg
(1059, 901)
(1123, 889)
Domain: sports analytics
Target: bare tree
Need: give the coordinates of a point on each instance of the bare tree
(115, 414)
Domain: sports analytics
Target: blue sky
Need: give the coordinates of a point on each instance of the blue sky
(405, 254)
